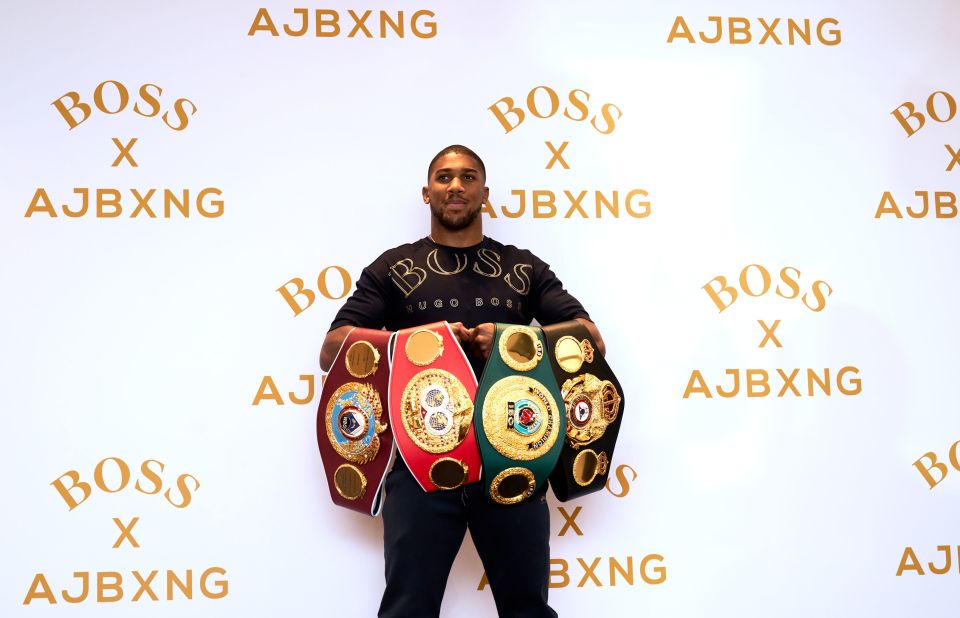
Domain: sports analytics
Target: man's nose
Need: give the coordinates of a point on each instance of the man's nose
(455, 185)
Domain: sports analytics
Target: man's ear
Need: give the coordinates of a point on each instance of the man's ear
(426, 196)
(486, 194)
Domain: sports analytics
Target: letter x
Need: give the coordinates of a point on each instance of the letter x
(953, 153)
(359, 24)
(588, 572)
(557, 155)
(570, 521)
(768, 333)
(125, 532)
(145, 585)
(769, 30)
(124, 152)
(788, 382)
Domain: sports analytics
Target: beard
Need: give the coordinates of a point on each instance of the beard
(454, 221)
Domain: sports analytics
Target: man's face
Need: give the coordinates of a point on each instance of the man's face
(455, 191)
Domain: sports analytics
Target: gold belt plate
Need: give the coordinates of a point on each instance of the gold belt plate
(592, 404)
(436, 410)
(506, 400)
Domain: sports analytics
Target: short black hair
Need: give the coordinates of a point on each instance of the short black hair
(458, 149)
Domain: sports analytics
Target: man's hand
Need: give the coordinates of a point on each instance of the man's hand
(478, 339)
(461, 332)
(481, 339)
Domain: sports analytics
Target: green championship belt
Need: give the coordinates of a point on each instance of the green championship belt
(519, 416)
(593, 400)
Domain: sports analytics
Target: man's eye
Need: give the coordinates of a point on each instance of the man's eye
(443, 178)
(468, 177)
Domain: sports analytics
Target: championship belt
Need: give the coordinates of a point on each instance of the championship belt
(431, 407)
(519, 419)
(356, 444)
(593, 400)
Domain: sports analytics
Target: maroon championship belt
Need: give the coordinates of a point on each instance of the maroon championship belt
(431, 393)
(594, 403)
(356, 443)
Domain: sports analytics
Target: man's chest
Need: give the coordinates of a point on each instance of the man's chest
(474, 287)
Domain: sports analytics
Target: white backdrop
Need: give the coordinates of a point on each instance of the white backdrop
(161, 339)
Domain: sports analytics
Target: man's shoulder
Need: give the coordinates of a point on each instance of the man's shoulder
(395, 254)
(518, 254)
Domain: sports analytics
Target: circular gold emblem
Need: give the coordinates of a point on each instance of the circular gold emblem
(520, 418)
(423, 347)
(592, 404)
(350, 482)
(448, 473)
(436, 410)
(362, 359)
(352, 422)
(520, 348)
(585, 467)
(569, 354)
(512, 485)
(581, 410)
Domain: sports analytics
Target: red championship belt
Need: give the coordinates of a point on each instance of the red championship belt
(356, 444)
(432, 387)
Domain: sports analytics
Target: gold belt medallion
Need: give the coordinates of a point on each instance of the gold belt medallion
(520, 418)
(353, 422)
(588, 465)
(362, 359)
(423, 347)
(520, 348)
(436, 410)
(350, 482)
(571, 354)
(592, 404)
(512, 485)
(448, 473)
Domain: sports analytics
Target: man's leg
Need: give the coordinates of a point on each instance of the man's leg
(421, 535)
(514, 546)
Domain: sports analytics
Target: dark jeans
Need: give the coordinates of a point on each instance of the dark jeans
(422, 533)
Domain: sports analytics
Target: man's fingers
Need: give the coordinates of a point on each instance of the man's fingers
(482, 339)
(463, 333)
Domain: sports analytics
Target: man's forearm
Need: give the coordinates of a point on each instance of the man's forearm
(331, 345)
(595, 333)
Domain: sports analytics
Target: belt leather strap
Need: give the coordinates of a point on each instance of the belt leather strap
(594, 403)
(356, 443)
(519, 415)
(432, 387)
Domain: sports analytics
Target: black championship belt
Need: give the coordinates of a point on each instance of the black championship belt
(594, 403)
(519, 415)
(356, 444)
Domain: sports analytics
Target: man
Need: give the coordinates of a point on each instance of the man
(458, 275)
